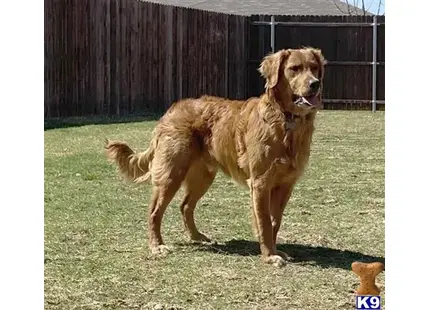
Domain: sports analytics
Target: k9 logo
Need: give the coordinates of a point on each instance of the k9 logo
(367, 302)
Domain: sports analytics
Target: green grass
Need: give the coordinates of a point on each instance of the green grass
(96, 254)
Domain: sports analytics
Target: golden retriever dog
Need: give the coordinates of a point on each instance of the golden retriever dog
(262, 143)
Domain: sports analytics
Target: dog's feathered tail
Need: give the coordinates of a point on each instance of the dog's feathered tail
(135, 167)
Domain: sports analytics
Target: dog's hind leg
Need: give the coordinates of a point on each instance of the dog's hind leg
(161, 197)
(198, 180)
(170, 165)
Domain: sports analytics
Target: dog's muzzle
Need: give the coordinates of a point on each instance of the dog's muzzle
(310, 101)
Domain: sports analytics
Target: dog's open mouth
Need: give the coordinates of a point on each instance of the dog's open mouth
(310, 101)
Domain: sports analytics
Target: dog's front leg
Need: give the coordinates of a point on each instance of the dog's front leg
(261, 210)
(278, 200)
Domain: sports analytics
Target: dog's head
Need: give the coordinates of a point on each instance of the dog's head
(295, 77)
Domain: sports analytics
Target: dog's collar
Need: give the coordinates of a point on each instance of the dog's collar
(290, 120)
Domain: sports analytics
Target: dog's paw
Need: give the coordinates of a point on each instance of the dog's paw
(275, 260)
(160, 249)
(200, 238)
(284, 255)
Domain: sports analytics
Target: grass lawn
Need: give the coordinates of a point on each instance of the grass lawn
(96, 254)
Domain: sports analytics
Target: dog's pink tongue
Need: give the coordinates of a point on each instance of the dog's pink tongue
(311, 100)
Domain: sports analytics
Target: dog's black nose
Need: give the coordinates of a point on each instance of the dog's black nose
(315, 85)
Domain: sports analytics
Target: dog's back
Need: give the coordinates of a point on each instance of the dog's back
(206, 129)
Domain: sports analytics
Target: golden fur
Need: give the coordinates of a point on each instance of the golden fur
(262, 143)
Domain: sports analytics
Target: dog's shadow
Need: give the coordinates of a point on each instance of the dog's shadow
(324, 257)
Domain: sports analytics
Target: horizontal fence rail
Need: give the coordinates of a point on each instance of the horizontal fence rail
(341, 63)
(315, 24)
(351, 101)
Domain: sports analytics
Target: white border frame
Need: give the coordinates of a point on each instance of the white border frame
(21, 154)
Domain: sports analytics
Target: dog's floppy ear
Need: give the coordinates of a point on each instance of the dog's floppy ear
(321, 60)
(271, 65)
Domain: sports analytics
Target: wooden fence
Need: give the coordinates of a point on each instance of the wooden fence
(119, 57)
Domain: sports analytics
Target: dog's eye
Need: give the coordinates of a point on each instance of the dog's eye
(314, 68)
(295, 68)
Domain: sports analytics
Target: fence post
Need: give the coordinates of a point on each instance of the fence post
(272, 33)
(168, 97)
(374, 61)
(227, 46)
(179, 57)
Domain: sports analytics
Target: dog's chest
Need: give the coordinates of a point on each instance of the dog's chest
(296, 141)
